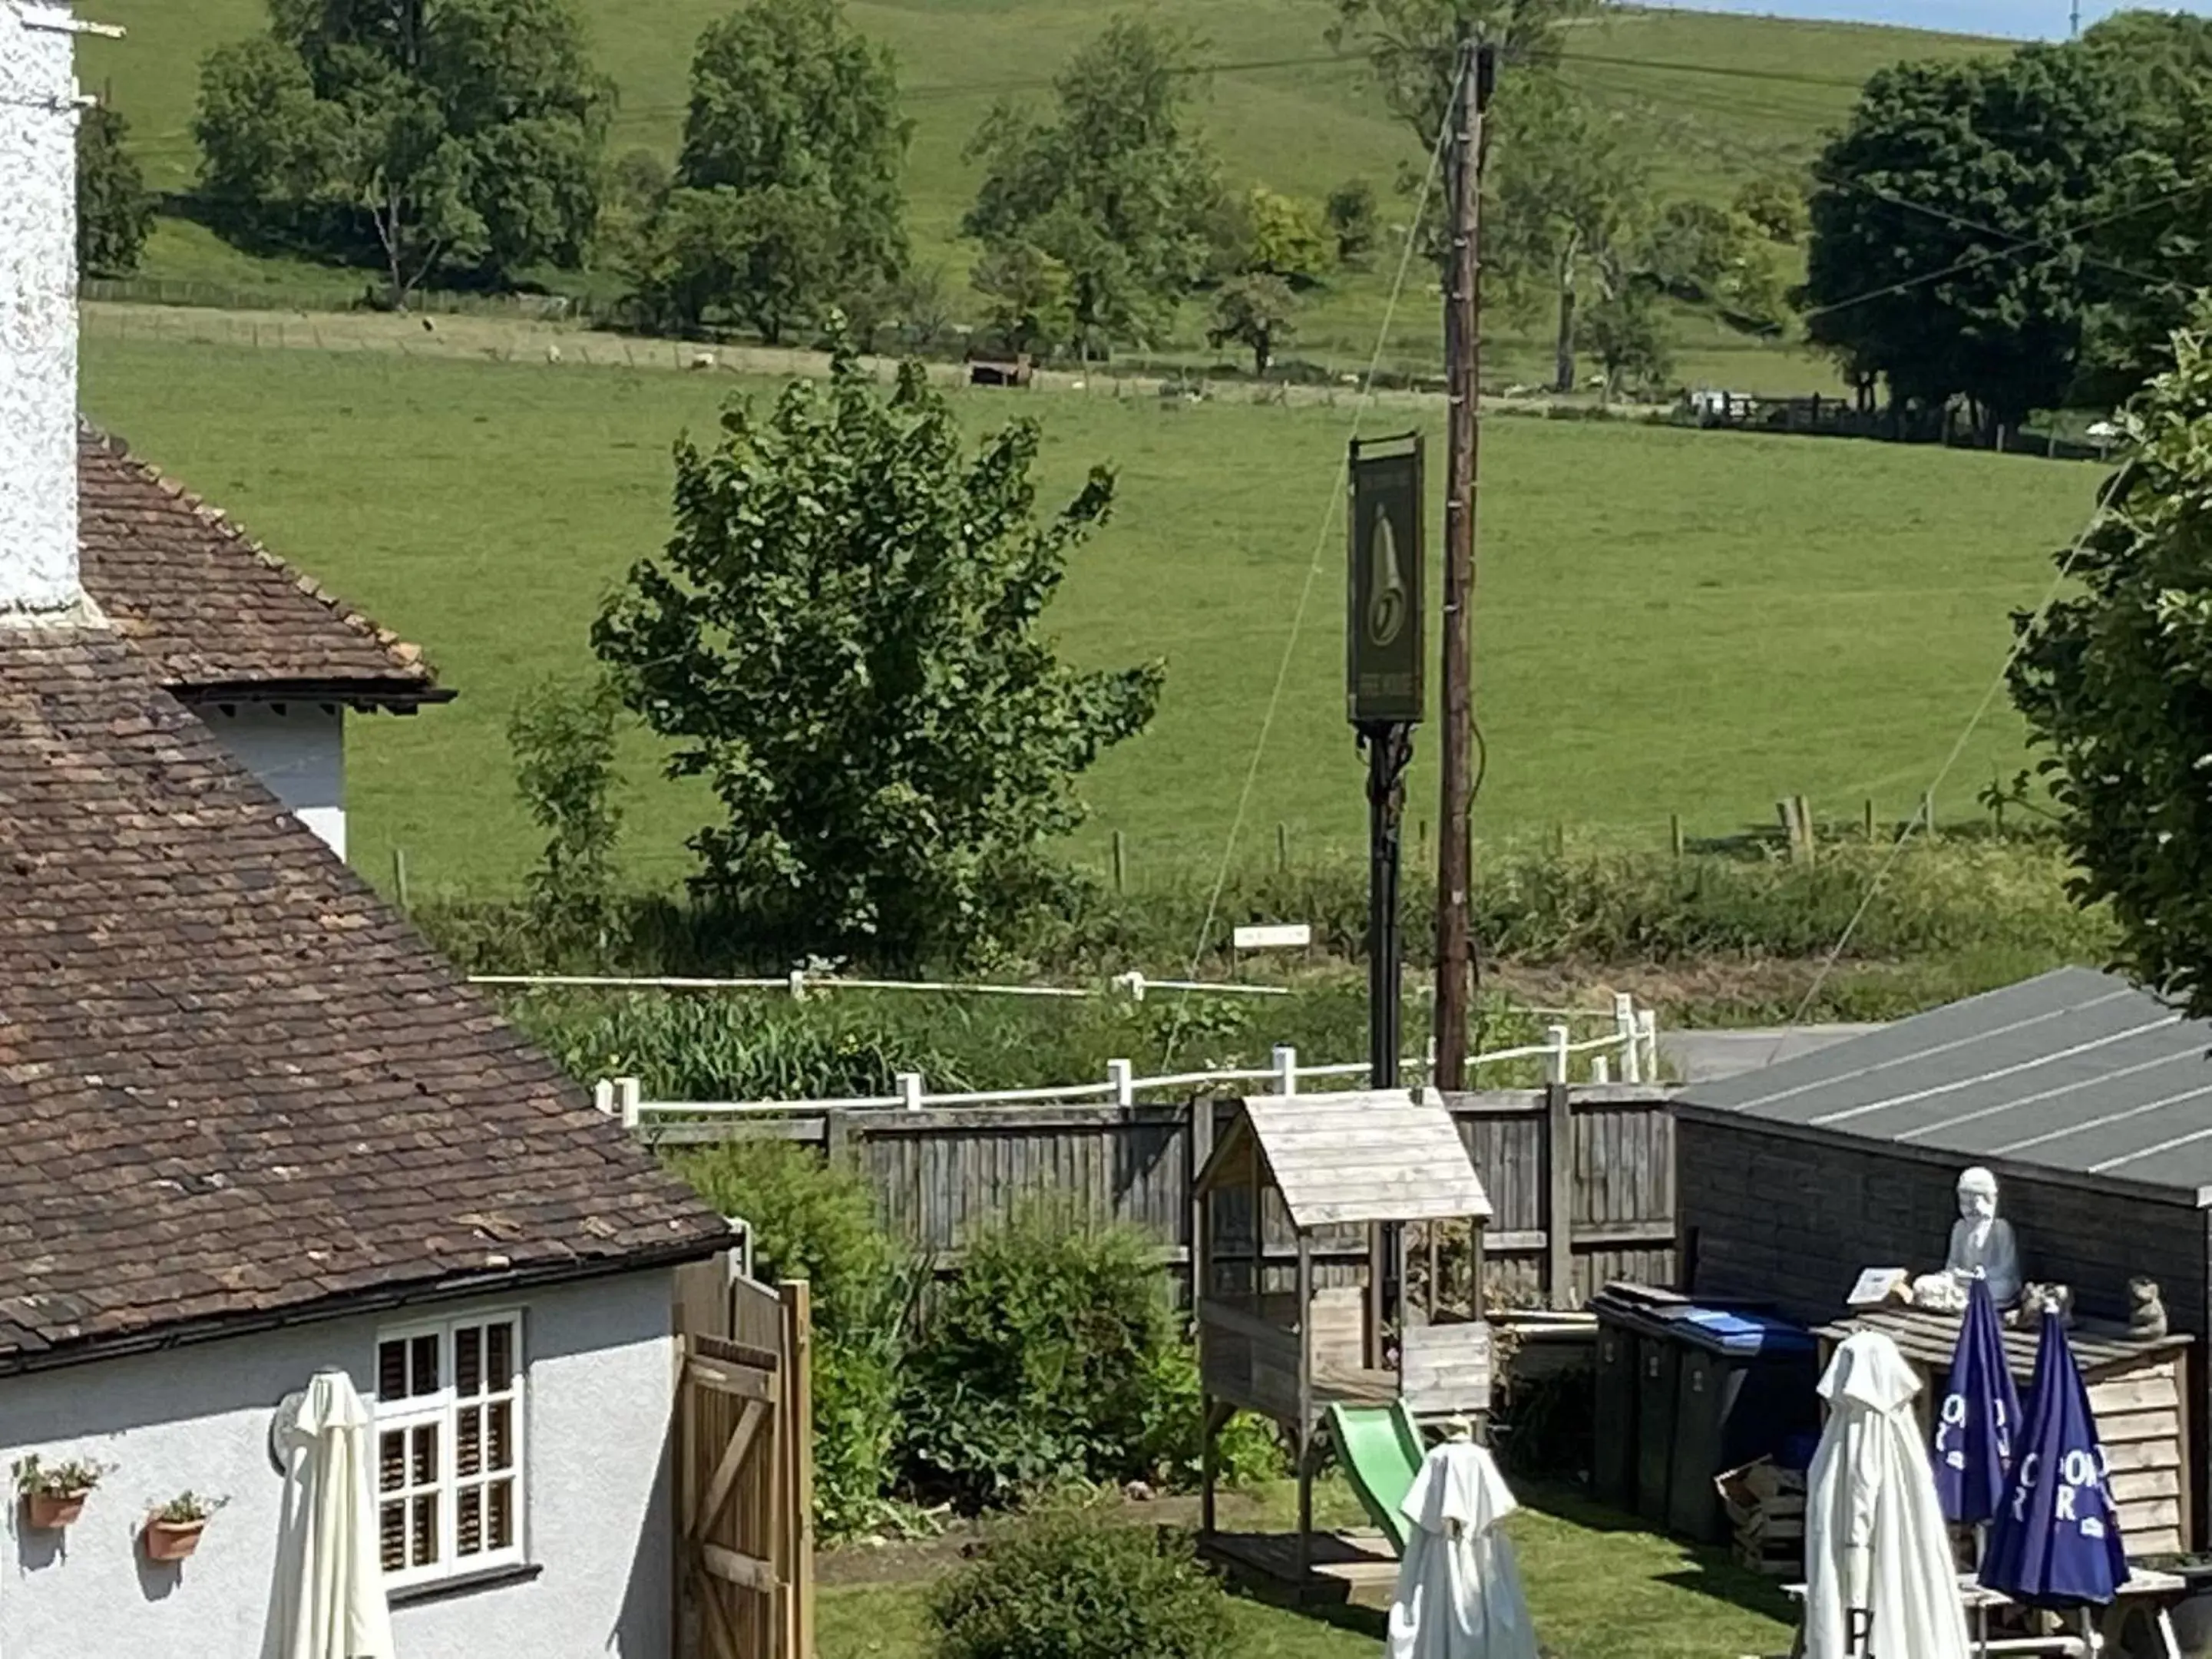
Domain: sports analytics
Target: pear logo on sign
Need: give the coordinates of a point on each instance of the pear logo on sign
(1386, 586)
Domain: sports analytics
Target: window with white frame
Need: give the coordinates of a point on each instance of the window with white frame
(449, 1431)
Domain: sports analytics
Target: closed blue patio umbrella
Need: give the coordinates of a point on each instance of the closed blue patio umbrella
(1978, 1419)
(2055, 1540)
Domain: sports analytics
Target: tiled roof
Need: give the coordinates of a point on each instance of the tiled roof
(212, 609)
(233, 1085)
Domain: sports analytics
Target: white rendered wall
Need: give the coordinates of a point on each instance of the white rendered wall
(38, 311)
(298, 754)
(601, 1366)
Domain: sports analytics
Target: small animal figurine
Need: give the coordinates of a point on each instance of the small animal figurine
(2146, 1311)
(2029, 1314)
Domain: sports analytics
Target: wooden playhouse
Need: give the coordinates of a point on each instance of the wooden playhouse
(1315, 1216)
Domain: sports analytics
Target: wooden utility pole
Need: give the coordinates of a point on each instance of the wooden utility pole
(1462, 362)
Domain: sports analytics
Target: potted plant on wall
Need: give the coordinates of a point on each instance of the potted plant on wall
(54, 1498)
(173, 1532)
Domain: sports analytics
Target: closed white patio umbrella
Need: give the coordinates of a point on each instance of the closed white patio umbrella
(329, 1590)
(1459, 1591)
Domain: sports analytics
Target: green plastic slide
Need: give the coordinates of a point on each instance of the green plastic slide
(1380, 1448)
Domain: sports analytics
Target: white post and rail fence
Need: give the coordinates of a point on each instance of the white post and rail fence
(1626, 1053)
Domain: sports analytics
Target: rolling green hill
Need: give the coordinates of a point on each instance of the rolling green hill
(1719, 99)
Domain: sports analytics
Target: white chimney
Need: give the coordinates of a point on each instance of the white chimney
(38, 311)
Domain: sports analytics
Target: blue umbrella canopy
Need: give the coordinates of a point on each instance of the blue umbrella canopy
(2055, 1540)
(1978, 1419)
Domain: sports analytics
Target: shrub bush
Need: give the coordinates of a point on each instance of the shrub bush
(1042, 1363)
(1071, 1588)
(817, 1221)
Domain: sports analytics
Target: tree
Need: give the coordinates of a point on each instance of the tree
(114, 213)
(1354, 220)
(1774, 208)
(1900, 282)
(1630, 338)
(1715, 257)
(1412, 47)
(1028, 291)
(1572, 210)
(1289, 238)
(563, 742)
(841, 639)
(787, 198)
(635, 191)
(2115, 681)
(768, 256)
(436, 135)
(1257, 310)
(1116, 188)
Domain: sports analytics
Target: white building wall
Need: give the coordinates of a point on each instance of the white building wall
(37, 309)
(600, 1359)
(298, 752)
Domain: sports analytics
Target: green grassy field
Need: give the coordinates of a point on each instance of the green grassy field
(1668, 621)
(1717, 99)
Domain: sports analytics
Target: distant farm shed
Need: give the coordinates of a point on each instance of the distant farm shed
(2089, 1099)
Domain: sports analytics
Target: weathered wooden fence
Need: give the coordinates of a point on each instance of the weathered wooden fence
(1600, 1156)
(743, 1554)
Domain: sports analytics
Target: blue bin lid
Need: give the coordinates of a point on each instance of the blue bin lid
(1742, 1333)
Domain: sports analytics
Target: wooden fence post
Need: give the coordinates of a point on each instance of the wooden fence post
(1121, 864)
(1200, 1149)
(1806, 832)
(1559, 1201)
(1624, 1027)
(399, 876)
(1928, 811)
(1282, 845)
(1674, 834)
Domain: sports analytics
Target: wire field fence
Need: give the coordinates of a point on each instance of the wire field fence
(1624, 1050)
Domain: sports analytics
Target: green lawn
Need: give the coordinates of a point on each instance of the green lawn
(1595, 1591)
(1668, 621)
(1718, 100)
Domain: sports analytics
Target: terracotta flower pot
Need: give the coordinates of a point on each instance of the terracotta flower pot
(53, 1511)
(173, 1541)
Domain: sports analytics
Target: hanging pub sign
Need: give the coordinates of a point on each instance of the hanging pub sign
(1384, 639)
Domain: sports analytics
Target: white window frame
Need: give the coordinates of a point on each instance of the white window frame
(442, 1408)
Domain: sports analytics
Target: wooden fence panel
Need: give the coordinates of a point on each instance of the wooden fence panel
(944, 1172)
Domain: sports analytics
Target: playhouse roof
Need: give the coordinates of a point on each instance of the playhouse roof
(2071, 1070)
(1373, 1155)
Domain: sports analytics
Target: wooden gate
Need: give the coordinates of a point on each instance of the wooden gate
(745, 1545)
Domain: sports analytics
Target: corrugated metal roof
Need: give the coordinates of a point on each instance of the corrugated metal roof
(2073, 1070)
(1372, 1155)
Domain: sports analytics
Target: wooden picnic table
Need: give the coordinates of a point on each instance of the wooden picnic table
(2101, 1628)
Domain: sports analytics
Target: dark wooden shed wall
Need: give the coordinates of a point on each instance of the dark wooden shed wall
(1783, 1218)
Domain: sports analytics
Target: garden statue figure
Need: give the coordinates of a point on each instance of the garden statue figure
(1981, 1247)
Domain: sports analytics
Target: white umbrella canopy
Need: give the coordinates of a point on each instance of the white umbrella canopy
(1459, 1591)
(329, 1592)
(1880, 1581)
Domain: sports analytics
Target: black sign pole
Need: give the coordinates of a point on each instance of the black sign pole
(1384, 662)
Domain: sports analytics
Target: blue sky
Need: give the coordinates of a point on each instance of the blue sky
(2023, 19)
